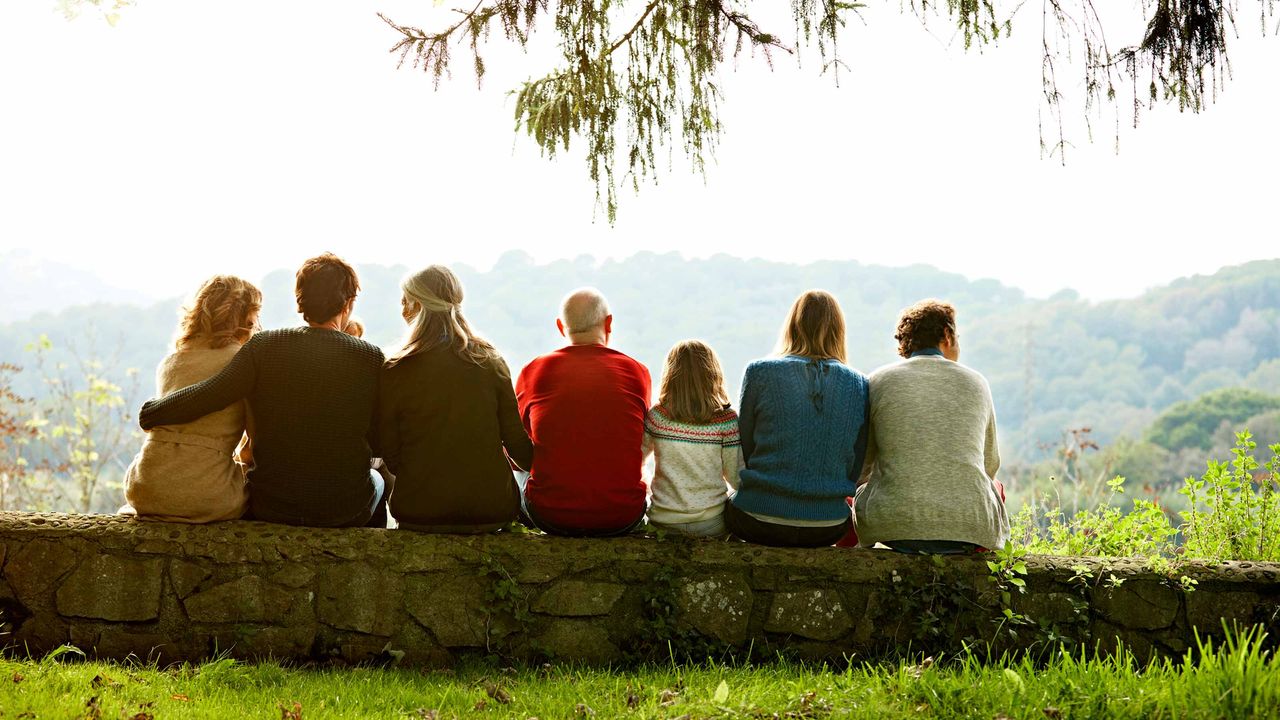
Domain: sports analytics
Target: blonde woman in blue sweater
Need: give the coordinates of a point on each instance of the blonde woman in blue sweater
(693, 435)
(803, 424)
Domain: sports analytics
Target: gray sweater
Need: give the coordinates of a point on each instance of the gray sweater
(931, 457)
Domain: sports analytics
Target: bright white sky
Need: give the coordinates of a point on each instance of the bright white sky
(241, 136)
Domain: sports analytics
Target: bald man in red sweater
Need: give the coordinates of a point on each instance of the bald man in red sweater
(584, 406)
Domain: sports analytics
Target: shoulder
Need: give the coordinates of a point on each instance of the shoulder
(497, 365)
(973, 376)
(769, 366)
(355, 347)
(725, 417)
(366, 348)
(625, 360)
(540, 361)
(850, 374)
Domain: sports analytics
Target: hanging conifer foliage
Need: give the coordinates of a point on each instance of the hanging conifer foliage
(640, 75)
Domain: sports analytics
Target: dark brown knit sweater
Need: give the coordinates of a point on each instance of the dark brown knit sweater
(312, 392)
(445, 429)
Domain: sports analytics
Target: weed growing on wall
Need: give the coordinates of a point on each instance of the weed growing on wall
(1103, 531)
(1234, 509)
(1233, 514)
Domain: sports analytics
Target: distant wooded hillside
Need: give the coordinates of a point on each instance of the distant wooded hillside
(1053, 364)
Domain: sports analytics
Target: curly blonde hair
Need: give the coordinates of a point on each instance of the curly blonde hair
(222, 312)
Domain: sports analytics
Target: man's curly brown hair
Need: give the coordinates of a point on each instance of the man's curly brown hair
(924, 325)
(325, 284)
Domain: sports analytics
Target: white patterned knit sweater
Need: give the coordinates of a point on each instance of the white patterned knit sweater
(695, 465)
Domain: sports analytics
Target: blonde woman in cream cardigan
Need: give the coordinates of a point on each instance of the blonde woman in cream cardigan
(189, 473)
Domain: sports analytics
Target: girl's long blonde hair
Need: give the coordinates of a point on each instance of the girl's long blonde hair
(814, 328)
(434, 297)
(221, 313)
(693, 383)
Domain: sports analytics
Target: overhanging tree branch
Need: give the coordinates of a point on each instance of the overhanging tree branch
(665, 88)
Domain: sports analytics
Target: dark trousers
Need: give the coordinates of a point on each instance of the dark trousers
(529, 518)
(745, 527)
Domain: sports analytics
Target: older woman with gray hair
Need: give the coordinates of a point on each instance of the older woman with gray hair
(448, 426)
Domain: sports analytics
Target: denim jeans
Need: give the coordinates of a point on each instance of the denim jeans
(932, 547)
(378, 510)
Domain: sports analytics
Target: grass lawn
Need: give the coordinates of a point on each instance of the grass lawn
(1238, 681)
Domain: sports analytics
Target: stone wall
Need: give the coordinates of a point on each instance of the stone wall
(115, 587)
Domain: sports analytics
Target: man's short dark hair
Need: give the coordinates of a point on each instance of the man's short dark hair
(324, 286)
(924, 325)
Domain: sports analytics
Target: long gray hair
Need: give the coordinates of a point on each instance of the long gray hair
(434, 296)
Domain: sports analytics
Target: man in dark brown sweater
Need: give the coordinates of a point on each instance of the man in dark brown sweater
(312, 392)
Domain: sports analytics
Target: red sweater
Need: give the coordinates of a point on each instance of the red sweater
(584, 408)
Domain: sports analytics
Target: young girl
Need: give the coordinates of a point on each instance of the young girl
(693, 435)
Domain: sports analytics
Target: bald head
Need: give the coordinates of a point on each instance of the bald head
(584, 317)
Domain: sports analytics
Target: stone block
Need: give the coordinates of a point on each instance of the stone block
(357, 597)
(294, 575)
(35, 569)
(109, 587)
(272, 642)
(42, 634)
(116, 643)
(579, 640)
(157, 547)
(718, 606)
(248, 599)
(452, 607)
(1051, 608)
(185, 577)
(1138, 604)
(424, 562)
(415, 647)
(1110, 638)
(575, 598)
(1207, 611)
(817, 614)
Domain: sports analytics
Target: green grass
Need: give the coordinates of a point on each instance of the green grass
(1238, 680)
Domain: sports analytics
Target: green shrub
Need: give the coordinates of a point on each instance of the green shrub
(1102, 531)
(1234, 509)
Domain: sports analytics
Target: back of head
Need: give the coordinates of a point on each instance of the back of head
(583, 311)
(814, 328)
(325, 284)
(223, 311)
(693, 383)
(432, 300)
(924, 325)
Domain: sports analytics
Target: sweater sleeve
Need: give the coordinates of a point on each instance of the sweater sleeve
(510, 425)
(747, 416)
(731, 456)
(234, 382)
(991, 450)
(869, 457)
(387, 424)
(860, 445)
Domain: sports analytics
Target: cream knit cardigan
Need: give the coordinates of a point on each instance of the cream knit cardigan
(187, 473)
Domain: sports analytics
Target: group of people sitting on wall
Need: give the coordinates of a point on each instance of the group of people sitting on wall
(314, 426)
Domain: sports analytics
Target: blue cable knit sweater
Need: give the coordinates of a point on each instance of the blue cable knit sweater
(804, 434)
